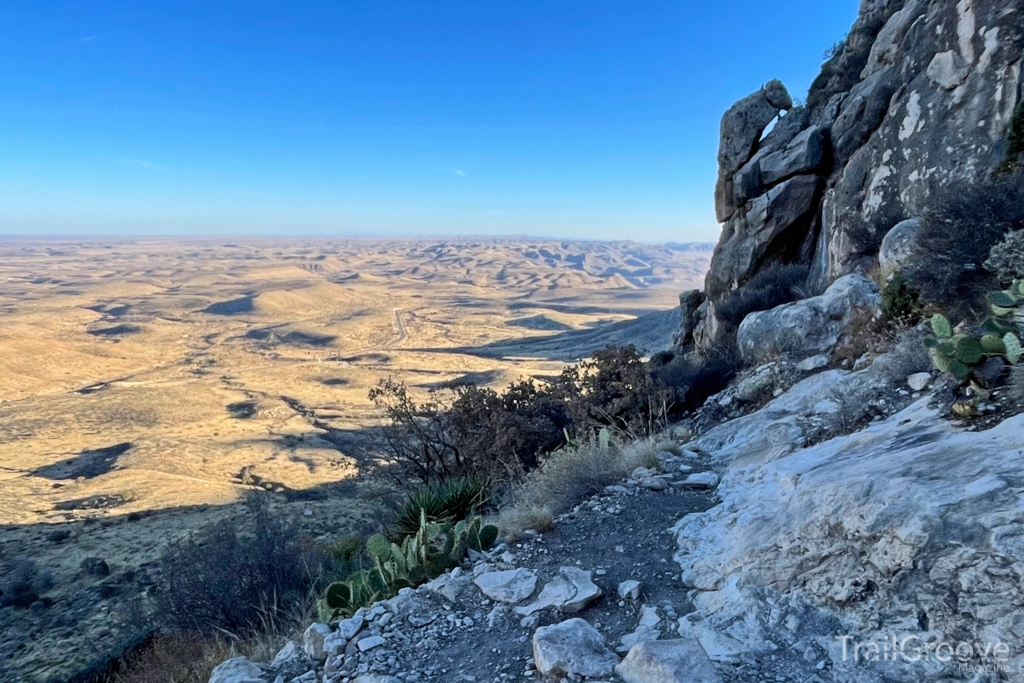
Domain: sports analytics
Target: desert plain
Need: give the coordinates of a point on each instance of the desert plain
(144, 385)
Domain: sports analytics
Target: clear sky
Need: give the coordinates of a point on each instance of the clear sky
(384, 117)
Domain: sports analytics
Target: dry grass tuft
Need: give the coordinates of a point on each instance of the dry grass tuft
(569, 475)
(190, 657)
(185, 658)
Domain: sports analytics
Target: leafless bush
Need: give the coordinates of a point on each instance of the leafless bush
(469, 432)
(22, 583)
(226, 578)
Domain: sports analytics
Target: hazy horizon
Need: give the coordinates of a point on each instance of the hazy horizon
(564, 119)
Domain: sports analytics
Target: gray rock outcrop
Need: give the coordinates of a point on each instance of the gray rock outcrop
(810, 326)
(865, 535)
(919, 96)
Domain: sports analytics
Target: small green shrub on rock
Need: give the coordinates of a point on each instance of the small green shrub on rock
(900, 302)
(1006, 259)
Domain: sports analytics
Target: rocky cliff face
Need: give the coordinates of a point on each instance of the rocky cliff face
(921, 93)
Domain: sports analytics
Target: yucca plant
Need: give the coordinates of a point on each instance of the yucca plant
(450, 500)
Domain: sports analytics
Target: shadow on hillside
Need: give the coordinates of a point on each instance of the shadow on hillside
(650, 333)
(71, 591)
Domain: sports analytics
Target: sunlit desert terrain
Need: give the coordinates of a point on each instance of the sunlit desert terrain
(143, 384)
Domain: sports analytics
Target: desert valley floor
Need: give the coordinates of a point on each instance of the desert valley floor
(145, 384)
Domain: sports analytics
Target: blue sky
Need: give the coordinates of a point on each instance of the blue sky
(567, 119)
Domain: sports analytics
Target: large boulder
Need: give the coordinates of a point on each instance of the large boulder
(668, 661)
(572, 648)
(808, 327)
(898, 245)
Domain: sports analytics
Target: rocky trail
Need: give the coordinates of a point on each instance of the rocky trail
(566, 604)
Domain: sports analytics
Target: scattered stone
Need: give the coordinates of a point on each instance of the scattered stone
(701, 480)
(572, 648)
(649, 616)
(348, 628)
(629, 589)
(237, 670)
(334, 643)
(667, 661)
(530, 621)
(569, 592)
(643, 473)
(370, 642)
(919, 381)
(511, 586)
(653, 484)
(497, 614)
(286, 655)
(313, 641)
(642, 634)
(374, 678)
(813, 363)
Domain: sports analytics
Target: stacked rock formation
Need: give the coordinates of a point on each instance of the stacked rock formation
(919, 95)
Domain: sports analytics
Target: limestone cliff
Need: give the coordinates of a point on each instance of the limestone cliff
(920, 93)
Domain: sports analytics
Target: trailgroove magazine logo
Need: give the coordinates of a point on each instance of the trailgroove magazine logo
(968, 656)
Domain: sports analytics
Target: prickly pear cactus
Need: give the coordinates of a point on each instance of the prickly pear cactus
(957, 353)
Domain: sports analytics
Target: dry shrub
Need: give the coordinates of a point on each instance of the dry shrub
(1015, 387)
(958, 231)
(773, 286)
(570, 475)
(1006, 259)
(906, 356)
(189, 657)
(863, 334)
(233, 579)
(181, 658)
(467, 431)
